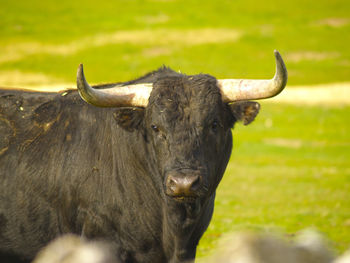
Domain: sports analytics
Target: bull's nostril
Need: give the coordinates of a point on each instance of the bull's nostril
(196, 183)
(172, 184)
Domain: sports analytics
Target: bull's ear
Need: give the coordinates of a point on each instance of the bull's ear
(129, 119)
(245, 111)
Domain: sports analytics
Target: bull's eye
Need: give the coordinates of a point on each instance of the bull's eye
(214, 126)
(155, 128)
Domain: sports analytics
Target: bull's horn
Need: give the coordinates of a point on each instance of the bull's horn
(135, 95)
(249, 89)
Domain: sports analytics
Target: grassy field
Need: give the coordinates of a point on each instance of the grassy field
(290, 169)
(122, 39)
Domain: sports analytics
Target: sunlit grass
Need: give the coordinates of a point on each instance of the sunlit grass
(289, 170)
(293, 27)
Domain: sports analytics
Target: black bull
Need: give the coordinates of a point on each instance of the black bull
(143, 179)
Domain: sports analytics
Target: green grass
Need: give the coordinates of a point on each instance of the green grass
(289, 26)
(290, 169)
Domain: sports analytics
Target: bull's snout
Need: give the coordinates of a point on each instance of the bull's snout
(183, 185)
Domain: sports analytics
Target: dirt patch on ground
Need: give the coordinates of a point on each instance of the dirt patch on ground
(160, 37)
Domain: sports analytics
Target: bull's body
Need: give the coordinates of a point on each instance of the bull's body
(70, 167)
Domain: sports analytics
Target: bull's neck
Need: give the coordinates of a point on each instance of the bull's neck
(183, 226)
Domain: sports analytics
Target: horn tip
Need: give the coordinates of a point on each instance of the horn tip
(281, 70)
(81, 82)
(80, 72)
(80, 67)
(277, 53)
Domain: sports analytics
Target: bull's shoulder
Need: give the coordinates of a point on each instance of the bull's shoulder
(26, 115)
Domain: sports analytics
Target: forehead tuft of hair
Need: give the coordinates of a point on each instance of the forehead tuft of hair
(192, 98)
(184, 90)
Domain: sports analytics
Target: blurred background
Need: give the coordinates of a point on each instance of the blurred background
(290, 169)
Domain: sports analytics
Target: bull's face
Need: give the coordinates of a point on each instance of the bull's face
(188, 128)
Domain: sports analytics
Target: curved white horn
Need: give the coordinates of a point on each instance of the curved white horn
(250, 89)
(119, 96)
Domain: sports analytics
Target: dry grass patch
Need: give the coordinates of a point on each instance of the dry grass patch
(310, 55)
(156, 51)
(283, 142)
(157, 19)
(333, 93)
(158, 37)
(17, 78)
(335, 22)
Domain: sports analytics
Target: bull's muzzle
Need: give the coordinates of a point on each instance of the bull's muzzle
(181, 185)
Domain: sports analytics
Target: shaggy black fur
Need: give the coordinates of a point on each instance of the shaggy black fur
(69, 167)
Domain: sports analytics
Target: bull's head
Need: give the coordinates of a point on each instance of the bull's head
(187, 122)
